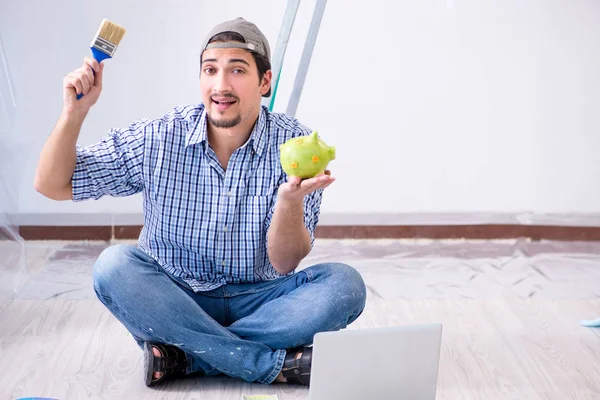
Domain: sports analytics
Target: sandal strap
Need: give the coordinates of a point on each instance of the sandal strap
(172, 362)
(169, 365)
(298, 370)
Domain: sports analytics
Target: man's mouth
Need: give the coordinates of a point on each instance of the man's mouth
(224, 101)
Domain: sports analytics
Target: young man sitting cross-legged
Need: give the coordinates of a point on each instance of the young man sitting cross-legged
(212, 286)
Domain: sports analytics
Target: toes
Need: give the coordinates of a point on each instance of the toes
(156, 353)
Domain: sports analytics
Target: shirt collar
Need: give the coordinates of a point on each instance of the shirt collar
(198, 134)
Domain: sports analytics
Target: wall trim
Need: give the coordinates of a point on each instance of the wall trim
(567, 227)
(479, 232)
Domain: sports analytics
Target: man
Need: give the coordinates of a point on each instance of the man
(211, 287)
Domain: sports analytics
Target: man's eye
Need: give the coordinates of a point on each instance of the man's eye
(209, 70)
(238, 71)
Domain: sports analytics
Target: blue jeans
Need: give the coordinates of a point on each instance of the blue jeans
(241, 330)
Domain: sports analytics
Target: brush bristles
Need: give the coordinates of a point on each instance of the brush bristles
(111, 32)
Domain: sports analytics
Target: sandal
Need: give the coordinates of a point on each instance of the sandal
(172, 363)
(298, 370)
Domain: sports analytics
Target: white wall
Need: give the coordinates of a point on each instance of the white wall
(434, 106)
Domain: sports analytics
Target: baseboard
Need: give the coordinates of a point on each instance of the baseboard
(533, 232)
(566, 227)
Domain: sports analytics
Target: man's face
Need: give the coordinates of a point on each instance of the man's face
(230, 88)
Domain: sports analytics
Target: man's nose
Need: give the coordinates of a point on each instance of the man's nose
(222, 83)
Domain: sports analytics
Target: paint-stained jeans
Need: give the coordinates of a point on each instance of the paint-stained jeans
(240, 330)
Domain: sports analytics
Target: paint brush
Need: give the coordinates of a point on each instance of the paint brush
(105, 42)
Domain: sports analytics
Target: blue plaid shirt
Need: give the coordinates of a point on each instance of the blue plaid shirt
(202, 223)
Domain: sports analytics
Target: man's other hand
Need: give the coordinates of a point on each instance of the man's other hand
(296, 188)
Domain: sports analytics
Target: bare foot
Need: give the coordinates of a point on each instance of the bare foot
(157, 353)
(280, 377)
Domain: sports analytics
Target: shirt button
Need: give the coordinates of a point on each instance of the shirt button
(224, 229)
(223, 262)
(229, 194)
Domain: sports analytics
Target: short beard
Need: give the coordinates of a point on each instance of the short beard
(227, 123)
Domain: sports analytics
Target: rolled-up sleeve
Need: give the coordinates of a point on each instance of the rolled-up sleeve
(113, 166)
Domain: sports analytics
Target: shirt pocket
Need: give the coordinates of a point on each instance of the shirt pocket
(249, 240)
(252, 214)
(262, 179)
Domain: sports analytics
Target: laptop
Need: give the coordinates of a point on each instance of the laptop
(399, 362)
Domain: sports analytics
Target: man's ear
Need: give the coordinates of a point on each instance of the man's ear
(265, 85)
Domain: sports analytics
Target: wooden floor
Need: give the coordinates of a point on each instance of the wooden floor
(501, 347)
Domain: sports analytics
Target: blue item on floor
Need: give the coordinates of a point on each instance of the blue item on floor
(36, 398)
(594, 323)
